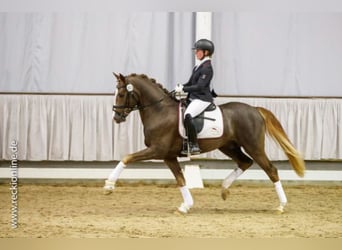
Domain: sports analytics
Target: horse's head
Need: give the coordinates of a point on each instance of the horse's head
(137, 92)
(126, 99)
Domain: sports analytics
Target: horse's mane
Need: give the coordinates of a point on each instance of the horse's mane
(153, 81)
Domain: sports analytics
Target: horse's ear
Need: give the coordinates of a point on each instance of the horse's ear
(119, 77)
(122, 78)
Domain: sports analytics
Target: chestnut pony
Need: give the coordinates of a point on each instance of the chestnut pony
(244, 127)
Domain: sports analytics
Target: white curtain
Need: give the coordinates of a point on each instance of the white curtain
(314, 125)
(278, 53)
(65, 127)
(80, 127)
(77, 52)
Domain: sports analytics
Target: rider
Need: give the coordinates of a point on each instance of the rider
(198, 89)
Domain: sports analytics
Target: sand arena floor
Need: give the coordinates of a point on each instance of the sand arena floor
(147, 211)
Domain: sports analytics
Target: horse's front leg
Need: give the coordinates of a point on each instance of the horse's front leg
(146, 154)
(188, 202)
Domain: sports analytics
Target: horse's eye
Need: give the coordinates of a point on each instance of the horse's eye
(121, 95)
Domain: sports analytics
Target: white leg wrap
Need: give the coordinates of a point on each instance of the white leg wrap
(280, 192)
(188, 201)
(231, 177)
(114, 175)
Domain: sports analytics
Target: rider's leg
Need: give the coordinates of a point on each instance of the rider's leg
(195, 108)
(192, 135)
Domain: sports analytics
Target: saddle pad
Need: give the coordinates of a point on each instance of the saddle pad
(211, 129)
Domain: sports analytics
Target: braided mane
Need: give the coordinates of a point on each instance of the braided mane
(153, 81)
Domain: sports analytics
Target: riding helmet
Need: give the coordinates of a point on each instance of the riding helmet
(205, 44)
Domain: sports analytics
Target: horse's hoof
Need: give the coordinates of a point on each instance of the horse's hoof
(280, 210)
(108, 187)
(183, 209)
(224, 193)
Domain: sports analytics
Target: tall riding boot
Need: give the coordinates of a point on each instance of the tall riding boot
(192, 136)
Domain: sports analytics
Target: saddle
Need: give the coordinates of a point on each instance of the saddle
(199, 120)
(208, 124)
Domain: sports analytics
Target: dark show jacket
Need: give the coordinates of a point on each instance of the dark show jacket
(198, 86)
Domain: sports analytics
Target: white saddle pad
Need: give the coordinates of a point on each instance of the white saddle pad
(211, 128)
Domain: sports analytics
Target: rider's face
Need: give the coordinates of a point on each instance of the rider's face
(199, 54)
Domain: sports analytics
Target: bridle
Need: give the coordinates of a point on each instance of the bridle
(131, 95)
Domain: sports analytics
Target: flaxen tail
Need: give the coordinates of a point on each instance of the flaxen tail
(276, 131)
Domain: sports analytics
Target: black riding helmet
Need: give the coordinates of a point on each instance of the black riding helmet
(205, 44)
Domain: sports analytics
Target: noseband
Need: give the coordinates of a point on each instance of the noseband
(131, 94)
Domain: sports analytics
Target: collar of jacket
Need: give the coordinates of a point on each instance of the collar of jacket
(199, 63)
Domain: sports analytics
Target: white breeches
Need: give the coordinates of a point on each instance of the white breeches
(196, 107)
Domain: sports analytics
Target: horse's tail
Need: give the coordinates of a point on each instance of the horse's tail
(276, 131)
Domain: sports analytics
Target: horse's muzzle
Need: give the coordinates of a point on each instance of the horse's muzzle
(118, 117)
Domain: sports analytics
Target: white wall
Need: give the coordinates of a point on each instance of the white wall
(76, 52)
(278, 53)
(257, 53)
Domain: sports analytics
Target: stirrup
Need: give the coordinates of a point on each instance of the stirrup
(185, 149)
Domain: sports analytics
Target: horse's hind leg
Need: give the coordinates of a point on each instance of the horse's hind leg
(244, 162)
(260, 157)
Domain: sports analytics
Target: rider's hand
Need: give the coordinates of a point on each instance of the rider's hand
(179, 88)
